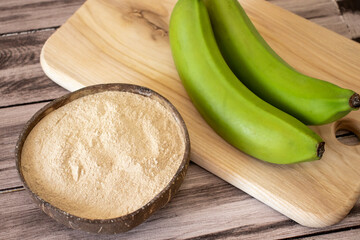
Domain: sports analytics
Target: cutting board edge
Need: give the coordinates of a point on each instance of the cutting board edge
(285, 207)
(51, 72)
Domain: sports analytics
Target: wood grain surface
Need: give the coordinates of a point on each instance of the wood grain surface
(20, 70)
(205, 208)
(20, 218)
(35, 14)
(134, 48)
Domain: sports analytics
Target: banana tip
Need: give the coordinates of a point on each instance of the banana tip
(320, 149)
(355, 101)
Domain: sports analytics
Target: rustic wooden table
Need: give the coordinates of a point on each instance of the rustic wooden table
(205, 208)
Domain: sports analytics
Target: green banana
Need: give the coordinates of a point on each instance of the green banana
(310, 100)
(233, 111)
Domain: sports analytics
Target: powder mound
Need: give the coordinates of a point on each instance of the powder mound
(104, 155)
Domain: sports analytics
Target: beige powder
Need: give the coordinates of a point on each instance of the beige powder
(104, 155)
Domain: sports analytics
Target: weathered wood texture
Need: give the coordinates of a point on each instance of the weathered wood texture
(339, 15)
(322, 12)
(12, 120)
(210, 207)
(22, 79)
(20, 15)
(351, 234)
(350, 10)
(205, 208)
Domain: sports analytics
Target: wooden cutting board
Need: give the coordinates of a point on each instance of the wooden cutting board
(127, 41)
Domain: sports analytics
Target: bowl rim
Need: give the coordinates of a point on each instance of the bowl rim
(93, 89)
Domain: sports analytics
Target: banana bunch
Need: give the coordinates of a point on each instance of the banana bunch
(229, 107)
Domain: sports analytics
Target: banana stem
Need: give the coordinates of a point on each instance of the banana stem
(320, 149)
(355, 101)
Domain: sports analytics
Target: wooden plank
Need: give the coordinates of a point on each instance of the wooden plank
(20, 15)
(342, 235)
(12, 121)
(22, 79)
(323, 12)
(205, 207)
(350, 10)
(334, 23)
(341, 16)
(309, 9)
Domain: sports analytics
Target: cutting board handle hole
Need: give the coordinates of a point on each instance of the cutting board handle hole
(348, 133)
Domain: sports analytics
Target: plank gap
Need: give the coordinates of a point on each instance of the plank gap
(318, 234)
(246, 230)
(7, 34)
(12, 189)
(26, 103)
